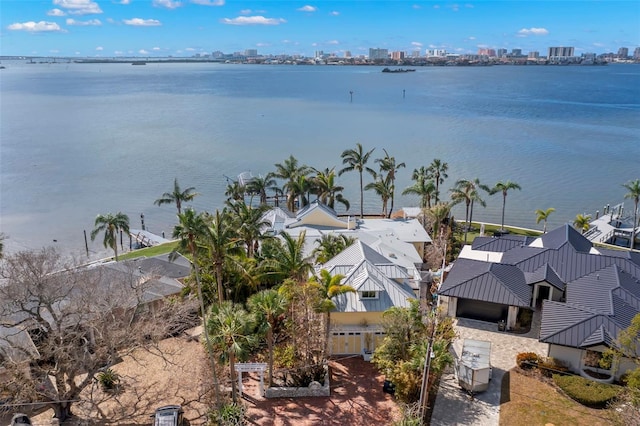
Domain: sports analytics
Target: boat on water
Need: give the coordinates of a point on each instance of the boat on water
(138, 63)
(398, 70)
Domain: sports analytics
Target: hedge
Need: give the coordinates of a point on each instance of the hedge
(587, 392)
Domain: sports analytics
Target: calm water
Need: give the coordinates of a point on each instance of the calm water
(79, 140)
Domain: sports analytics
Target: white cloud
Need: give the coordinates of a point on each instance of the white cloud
(533, 31)
(90, 22)
(190, 49)
(333, 42)
(167, 4)
(416, 6)
(252, 20)
(35, 27)
(138, 22)
(79, 7)
(56, 12)
(118, 52)
(124, 2)
(307, 8)
(599, 44)
(54, 51)
(471, 38)
(468, 6)
(436, 6)
(143, 52)
(208, 2)
(245, 12)
(156, 49)
(99, 48)
(334, 13)
(416, 44)
(262, 44)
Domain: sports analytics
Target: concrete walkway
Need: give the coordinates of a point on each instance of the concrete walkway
(453, 405)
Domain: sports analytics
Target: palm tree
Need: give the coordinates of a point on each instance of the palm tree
(330, 245)
(222, 243)
(260, 185)
(634, 194)
(248, 223)
(111, 224)
(389, 166)
(271, 305)
(477, 186)
(178, 196)
(544, 215)
(234, 191)
(290, 171)
(581, 222)
(327, 190)
(356, 159)
(190, 228)
(463, 192)
(423, 188)
(329, 287)
(438, 172)
(231, 329)
(504, 187)
(298, 189)
(290, 260)
(381, 187)
(437, 215)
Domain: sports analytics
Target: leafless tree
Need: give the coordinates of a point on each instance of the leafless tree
(61, 325)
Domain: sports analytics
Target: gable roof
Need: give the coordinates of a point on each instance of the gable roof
(318, 214)
(545, 273)
(565, 234)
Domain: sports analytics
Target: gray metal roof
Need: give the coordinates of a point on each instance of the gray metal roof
(500, 244)
(566, 234)
(545, 273)
(367, 277)
(489, 282)
(354, 254)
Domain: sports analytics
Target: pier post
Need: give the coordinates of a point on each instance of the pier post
(86, 244)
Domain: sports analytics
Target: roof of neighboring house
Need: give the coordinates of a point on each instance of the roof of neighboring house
(602, 287)
(489, 282)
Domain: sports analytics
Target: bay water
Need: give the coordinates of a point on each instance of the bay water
(77, 140)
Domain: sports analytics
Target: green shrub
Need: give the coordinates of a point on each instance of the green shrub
(230, 414)
(527, 360)
(284, 356)
(587, 392)
(550, 366)
(108, 379)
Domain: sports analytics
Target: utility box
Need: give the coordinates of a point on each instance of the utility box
(474, 367)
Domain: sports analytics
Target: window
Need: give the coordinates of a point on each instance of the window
(368, 294)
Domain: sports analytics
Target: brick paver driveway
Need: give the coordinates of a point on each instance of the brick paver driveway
(454, 406)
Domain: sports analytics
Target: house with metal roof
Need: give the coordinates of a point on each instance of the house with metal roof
(379, 284)
(587, 295)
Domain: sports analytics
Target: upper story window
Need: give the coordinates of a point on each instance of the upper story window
(368, 294)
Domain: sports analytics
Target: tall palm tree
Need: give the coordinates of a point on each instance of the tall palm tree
(190, 228)
(221, 240)
(382, 187)
(437, 215)
(248, 223)
(110, 224)
(330, 286)
(389, 166)
(356, 159)
(260, 185)
(290, 260)
(271, 305)
(298, 189)
(477, 186)
(581, 222)
(438, 172)
(544, 215)
(504, 188)
(423, 188)
(177, 196)
(231, 329)
(634, 194)
(463, 192)
(327, 190)
(290, 171)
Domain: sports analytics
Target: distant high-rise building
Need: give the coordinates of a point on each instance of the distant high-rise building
(636, 53)
(347, 53)
(516, 52)
(560, 51)
(217, 54)
(397, 55)
(533, 55)
(436, 53)
(487, 52)
(623, 53)
(319, 54)
(415, 54)
(378, 53)
(501, 53)
(251, 53)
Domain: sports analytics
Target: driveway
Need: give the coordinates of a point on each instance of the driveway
(454, 406)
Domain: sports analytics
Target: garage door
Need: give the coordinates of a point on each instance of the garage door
(346, 343)
(484, 311)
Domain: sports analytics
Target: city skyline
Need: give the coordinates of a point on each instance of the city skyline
(190, 27)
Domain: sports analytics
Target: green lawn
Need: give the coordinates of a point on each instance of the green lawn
(490, 229)
(150, 251)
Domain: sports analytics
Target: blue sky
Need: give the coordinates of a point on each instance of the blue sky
(187, 27)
